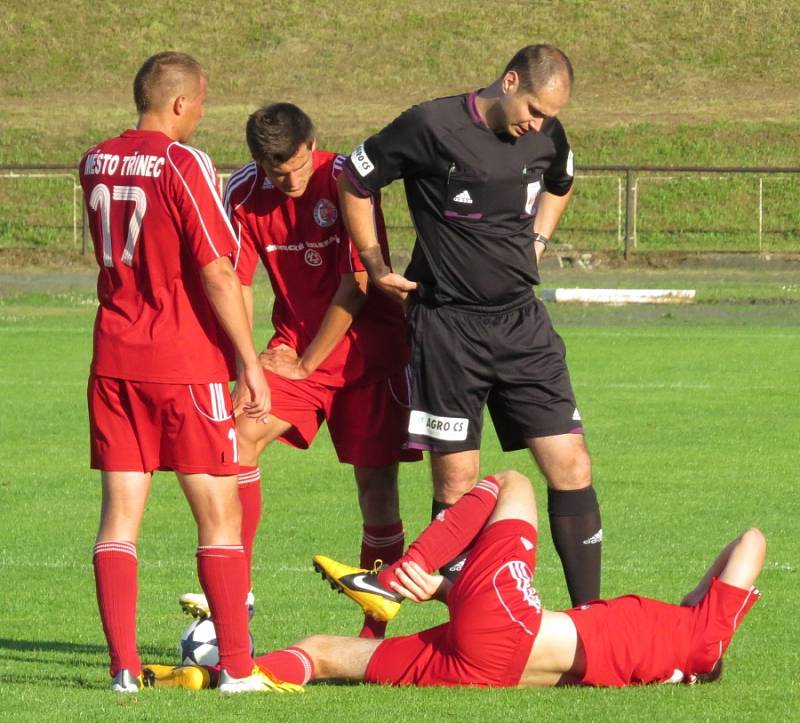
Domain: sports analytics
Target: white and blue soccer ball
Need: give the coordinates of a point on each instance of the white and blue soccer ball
(199, 644)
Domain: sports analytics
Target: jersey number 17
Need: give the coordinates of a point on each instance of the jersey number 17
(100, 201)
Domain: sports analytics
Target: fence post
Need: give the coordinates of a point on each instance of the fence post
(760, 215)
(84, 219)
(629, 211)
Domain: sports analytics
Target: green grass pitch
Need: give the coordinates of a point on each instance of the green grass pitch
(691, 418)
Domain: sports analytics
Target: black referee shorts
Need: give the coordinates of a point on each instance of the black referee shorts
(507, 358)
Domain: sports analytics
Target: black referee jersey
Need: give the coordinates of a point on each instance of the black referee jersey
(472, 196)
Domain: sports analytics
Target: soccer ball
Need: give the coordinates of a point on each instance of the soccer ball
(199, 644)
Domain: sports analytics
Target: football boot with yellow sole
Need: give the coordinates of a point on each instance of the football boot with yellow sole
(191, 677)
(196, 605)
(360, 585)
(259, 681)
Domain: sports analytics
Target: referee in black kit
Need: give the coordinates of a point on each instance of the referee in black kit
(487, 177)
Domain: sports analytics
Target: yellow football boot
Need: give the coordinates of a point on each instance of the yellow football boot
(259, 681)
(360, 585)
(191, 677)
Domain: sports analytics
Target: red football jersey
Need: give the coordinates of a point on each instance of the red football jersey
(156, 218)
(305, 248)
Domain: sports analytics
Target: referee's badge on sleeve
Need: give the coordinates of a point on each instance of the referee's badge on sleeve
(361, 161)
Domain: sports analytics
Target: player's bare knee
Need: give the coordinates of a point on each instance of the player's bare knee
(515, 486)
(754, 540)
(252, 443)
(249, 431)
(509, 477)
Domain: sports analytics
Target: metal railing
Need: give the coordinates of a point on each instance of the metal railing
(629, 181)
(634, 173)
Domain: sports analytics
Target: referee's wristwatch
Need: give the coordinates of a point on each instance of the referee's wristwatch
(541, 238)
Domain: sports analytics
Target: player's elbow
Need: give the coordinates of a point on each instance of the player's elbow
(218, 275)
(352, 292)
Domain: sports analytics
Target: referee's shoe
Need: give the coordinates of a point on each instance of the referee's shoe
(360, 585)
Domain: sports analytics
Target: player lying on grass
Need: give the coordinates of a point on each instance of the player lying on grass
(498, 633)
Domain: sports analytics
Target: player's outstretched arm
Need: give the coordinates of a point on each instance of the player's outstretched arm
(224, 293)
(357, 214)
(345, 306)
(739, 564)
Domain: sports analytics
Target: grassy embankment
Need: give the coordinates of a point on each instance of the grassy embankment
(657, 83)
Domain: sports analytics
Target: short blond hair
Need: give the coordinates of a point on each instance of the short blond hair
(162, 77)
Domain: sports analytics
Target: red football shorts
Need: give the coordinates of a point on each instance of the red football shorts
(495, 616)
(634, 640)
(145, 426)
(368, 423)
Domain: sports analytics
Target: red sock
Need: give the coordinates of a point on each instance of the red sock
(380, 542)
(250, 498)
(292, 665)
(222, 570)
(451, 531)
(115, 573)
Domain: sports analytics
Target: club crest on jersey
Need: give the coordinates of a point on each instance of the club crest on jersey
(312, 258)
(325, 213)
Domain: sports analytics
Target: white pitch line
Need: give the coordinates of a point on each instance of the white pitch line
(45, 330)
(178, 565)
(32, 383)
(655, 385)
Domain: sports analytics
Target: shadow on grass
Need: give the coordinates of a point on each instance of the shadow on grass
(50, 645)
(77, 648)
(85, 664)
(63, 680)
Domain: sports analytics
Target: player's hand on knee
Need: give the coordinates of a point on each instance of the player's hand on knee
(251, 395)
(283, 361)
(413, 583)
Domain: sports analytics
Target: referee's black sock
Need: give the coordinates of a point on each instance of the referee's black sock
(577, 536)
(451, 570)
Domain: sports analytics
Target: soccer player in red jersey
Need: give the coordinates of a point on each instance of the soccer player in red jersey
(338, 353)
(171, 315)
(499, 635)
